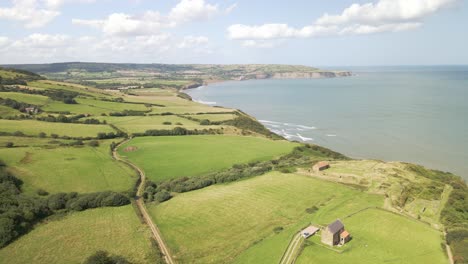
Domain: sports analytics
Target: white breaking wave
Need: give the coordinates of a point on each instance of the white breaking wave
(331, 135)
(304, 138)
(270, 122)
(306, 127)
(204, 102)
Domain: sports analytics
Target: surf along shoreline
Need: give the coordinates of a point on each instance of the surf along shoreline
(280, 128)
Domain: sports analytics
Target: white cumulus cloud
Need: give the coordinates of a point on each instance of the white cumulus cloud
(36, 48)
(34, 13)
(124, 24)
(152, 22)
(357, 19)
(191, 10)
(385, 11)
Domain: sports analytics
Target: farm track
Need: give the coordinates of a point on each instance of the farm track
(142, 208)
(293, 247)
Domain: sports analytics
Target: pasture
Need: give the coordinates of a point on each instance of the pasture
(31, 141)
(214, 117)
(86, 90)
(139, 124)
(69, 169)
(76, 236)
(6, 111)
(382, 237)
(93, 107)
(33, 128)
(26, 98)
(6, 74)
(164, 158)
(175, 104)
(224, 223)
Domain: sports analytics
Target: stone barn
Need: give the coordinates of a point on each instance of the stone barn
(320, 166)
(335, 234)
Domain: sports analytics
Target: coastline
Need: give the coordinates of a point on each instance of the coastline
(276, 76)
(278, 128)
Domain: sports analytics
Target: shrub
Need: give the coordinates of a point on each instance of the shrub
(162, 196)
(42, 135)
(278, 229)
(311, 210)
(103, 257)
(167, 123)
(18, 134)
(93, 143)
(9, 144)
(205, 122)
(42, 192)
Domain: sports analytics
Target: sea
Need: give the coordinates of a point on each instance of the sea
(416, 114)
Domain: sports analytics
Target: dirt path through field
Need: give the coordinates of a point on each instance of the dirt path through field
(293, 247)
(142, 208)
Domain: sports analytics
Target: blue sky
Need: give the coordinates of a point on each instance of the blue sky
(308, 32)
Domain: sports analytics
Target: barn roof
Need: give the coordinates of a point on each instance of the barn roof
(335, 226)
(344, 234)
(322, 164)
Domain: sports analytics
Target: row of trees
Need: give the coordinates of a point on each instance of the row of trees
(129, 113)
(178, 131)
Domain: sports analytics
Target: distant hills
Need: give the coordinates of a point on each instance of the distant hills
(198, 73)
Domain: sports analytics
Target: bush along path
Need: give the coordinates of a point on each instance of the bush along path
(140, 204)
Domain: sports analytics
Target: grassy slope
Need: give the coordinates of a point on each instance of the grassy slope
(164, 158)
(75, 237)
(30, 141)
(93, 107)
(139, 124)
(393, 179)
(214, 117)
(382, 237)
(69, 169)
(5, 74)
(218, 223)
(6, 111)
(26, 98)
(33, 128)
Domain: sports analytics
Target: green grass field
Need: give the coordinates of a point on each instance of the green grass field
(214, 117)
(79, 235)
(139, 124)
(175, 104)
(26, 98)
(69, 169)
(223, 223)
(6, 111)
(165, 158)
(47, 84)
(31, 141)
(5, 74)
(382, 237)
(93, 107)
(33, 128)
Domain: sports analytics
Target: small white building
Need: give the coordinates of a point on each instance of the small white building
(309, 231)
